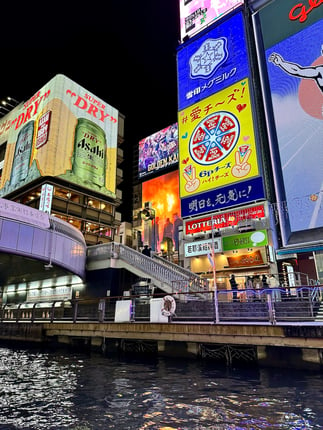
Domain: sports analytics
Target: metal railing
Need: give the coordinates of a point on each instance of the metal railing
(155, 267)
(272, 305)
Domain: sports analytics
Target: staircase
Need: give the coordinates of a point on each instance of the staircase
(163, 274)
(319, 313)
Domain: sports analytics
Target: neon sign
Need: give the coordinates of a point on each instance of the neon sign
(299, 11)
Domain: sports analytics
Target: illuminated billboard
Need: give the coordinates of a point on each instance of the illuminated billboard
(212, 62)
(62, 131)
(217, 141)
(223, 198)
(195, 15)
(223, 220)
(295, 71)
(158, 151)
(163, 195)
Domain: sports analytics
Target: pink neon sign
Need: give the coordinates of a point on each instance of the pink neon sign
(197, 14)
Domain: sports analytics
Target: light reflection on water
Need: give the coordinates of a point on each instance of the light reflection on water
(46, 390)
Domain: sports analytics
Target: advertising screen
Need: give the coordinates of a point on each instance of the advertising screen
(62, 131)
(158, 151)
(217, 141)
(212, 62)
(195, 15)
(225, 197)
(163, 195)
(223, 220)
(295, 70)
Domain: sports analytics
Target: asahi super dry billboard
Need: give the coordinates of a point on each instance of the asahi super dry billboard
(62, 131)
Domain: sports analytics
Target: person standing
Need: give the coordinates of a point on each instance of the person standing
(234, 288)
(146, 251)
(274, 284)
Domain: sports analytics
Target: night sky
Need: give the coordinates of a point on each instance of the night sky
(124, 52)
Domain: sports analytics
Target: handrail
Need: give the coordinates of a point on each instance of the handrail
(270, 305)
(155, 267)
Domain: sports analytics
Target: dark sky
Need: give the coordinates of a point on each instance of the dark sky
(123, 51)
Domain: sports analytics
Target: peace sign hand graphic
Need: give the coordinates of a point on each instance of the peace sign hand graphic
(192, 182)
(242, 167)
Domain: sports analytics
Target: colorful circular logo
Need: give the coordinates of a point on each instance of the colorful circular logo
(214, 138)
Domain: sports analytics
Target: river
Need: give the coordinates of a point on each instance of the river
(43, 389)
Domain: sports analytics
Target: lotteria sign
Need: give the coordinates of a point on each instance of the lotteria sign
(223, 220)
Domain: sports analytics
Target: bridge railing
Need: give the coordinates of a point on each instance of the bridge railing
(272, 305)
(154, 267)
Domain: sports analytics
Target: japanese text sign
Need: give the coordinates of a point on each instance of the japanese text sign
(212, 62)
(240, 193)
(194, 16)
(217, 141)
(223, 220)
(245, 240)
(202, 247)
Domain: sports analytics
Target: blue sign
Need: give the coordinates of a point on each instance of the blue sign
(295, 70)
(224, 197)
(211, 62)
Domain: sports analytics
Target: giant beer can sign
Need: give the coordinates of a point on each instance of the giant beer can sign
(21, 159)
(89, 153)
(62, 131)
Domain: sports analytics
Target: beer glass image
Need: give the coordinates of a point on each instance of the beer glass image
(89, 159)
(20, 166)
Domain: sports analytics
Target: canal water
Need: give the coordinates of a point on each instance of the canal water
(67, 390)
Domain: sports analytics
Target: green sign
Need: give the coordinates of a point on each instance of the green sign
(245, 240)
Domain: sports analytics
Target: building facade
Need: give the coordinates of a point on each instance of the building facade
(60, 153)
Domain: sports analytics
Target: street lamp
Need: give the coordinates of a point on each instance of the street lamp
(7, 105)
(148, 215)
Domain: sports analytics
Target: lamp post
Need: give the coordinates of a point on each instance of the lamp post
(148, 215)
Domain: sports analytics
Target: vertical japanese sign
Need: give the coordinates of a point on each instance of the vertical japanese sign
(46, 198)
(212, 62)
(217, 141)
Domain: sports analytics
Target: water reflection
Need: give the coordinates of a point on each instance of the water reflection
(46, 390)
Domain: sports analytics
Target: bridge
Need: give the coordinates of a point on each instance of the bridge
(165, 275)
(36, 246)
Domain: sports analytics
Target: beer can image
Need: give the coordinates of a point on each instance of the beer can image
(89, 159)
(21, 160)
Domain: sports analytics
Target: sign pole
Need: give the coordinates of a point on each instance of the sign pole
(216, 305)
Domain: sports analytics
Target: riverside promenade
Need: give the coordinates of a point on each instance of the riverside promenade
(288, 333)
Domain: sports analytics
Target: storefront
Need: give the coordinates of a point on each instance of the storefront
(238, 242)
